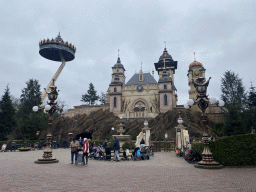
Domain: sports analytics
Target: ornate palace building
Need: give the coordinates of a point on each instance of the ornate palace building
(142, 96)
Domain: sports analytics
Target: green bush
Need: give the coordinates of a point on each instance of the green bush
(199, 146)
(128, 145)
(237, 150)
(97, 142)
(29, 143)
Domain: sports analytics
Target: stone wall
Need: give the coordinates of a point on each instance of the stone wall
(213, 112)
(85, 109)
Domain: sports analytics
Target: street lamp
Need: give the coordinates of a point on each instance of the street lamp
(202, 101)
(50, 108)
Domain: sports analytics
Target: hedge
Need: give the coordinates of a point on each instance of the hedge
(25, 142)
(237, 150)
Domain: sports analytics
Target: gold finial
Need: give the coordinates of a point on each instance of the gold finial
(165, 44)
(118, 52)
(194, 56)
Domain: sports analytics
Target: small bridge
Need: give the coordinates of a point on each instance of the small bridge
(166, 145)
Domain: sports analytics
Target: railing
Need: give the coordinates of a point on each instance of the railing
(166, 145)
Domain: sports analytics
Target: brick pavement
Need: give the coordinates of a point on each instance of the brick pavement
(164, 172)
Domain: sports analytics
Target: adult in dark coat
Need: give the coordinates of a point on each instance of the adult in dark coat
(105, 143)
(116, 146)
(142, 141)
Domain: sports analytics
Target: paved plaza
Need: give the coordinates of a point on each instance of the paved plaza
(164, 172)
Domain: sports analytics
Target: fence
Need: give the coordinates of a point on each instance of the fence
(166, 145)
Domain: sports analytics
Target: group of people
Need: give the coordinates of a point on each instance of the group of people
(74, 149)
(85, 149)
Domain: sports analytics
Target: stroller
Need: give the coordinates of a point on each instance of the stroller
(136, 155)
(178, 152)
(143, 151)
(92, 152)
(99, 155)
(79, 158)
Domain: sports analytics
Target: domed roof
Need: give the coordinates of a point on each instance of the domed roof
(165, 55)
(118, 64)
(195, 64)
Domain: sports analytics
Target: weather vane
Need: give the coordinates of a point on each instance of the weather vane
(118, 52)
(165, 44)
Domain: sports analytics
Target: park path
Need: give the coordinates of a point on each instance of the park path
(164, 172)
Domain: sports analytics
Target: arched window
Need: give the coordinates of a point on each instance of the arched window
(114, 101)
(165, 87)
(114, 89)
(165, 99)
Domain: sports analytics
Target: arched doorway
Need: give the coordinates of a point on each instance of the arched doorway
(139, 106)
(87, 135)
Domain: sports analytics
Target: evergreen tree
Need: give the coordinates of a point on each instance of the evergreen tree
(30, 122)
(233, 94)
(249, 115)
(102, 98)
(7, 115)
(91, 95)
(233, 91)
(30, 97)
(233, 124)
(251, 99)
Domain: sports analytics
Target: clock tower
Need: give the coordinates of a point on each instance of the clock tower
(196, 69)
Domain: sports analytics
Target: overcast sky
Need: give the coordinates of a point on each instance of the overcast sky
(221, 32)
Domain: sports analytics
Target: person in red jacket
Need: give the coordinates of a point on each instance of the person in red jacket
(85, 150)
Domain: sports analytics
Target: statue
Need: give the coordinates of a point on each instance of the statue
(202, 100)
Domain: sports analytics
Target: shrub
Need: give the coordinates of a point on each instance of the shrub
(128, 145)
(237, 150)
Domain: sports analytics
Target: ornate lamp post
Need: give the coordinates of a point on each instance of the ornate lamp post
(202, 102)
(50, 108)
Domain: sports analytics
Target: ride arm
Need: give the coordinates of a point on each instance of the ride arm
(55, 77)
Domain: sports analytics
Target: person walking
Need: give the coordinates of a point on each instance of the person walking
(85, 150)
(74, 145)
(116, 146)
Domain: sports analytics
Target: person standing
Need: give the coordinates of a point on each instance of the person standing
(116, 146)
(142, 141)
(85, 150)
(64, 143)
(74, 145)
(105, 143)
(81, 141)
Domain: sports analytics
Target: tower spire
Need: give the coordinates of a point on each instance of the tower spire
(194, 56)
(118, 52)
(141, 66)
(165, 44)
